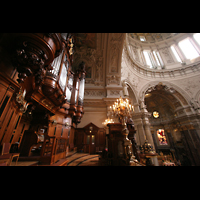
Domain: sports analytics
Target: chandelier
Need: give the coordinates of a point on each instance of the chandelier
(107, 121)
(122, 109)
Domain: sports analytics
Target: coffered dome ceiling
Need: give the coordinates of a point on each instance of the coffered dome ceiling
(151, 37)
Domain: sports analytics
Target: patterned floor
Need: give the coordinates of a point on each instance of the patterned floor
(24, 163)
(74, 159)
(82, 159)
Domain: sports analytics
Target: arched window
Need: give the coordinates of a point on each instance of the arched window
(147, 58)
(188, 49)
(175, 54)
(197, 37)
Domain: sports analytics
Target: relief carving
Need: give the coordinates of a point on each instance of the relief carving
(167, 55)
(114, 92)
(116, 41)
(113, 80)
(94, 64)
(91, 93)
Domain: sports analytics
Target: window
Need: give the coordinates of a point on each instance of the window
(160, 59)
(162, 137)
(155, 114)
(142, 38)
(197, 37)
(88, 139)
(175, 54)
(156, 57)
(147, 58)
(188, 49)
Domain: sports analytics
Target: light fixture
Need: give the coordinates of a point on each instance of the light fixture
(91, 129)
(107, 121)
(67, 124)
(147, 95)
(54, 122)
(156, 114)
(123, 110)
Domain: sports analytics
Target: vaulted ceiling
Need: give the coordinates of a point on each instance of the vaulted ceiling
(152, 37)
(162, 100)
(86, 39)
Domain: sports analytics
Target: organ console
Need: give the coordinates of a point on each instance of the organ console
(40, 68)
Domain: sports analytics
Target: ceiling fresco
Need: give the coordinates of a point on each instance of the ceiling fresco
(86, 39)
(152, 37)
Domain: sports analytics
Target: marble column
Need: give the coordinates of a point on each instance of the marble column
(138, 124)
(146, 124)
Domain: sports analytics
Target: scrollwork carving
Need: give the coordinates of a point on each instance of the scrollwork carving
(113, 80)
(32, 52)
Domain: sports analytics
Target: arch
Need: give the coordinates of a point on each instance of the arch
(134, 99)
(176, 91)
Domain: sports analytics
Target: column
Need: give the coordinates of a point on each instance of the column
(187, 143)
(138, 124)
(140, 133)
(148, 132)
(147, 129)
(145, 118)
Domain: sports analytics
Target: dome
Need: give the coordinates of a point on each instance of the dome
(163, 51)
(151, 37)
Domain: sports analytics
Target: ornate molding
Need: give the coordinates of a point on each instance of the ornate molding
(112, 79)
(114, 92)
(33, 52)
(116, 42)
(160, 86)
(94, 62)
(94, 93)
(160, 73)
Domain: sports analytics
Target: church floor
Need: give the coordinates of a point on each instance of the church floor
(74, 159)
(82, 159)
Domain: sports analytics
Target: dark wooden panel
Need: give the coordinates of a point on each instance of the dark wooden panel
(90, 138)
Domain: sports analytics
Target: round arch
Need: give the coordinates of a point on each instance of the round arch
(132, 92)
(176, 91)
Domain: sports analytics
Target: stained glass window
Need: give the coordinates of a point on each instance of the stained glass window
(162, 137)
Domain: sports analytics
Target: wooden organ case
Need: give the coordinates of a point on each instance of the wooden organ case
(40, 94)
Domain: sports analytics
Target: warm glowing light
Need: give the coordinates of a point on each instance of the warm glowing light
(122, 108)
(108, 121)
(155, 114)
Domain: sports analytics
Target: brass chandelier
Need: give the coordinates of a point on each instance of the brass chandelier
(124, 111)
